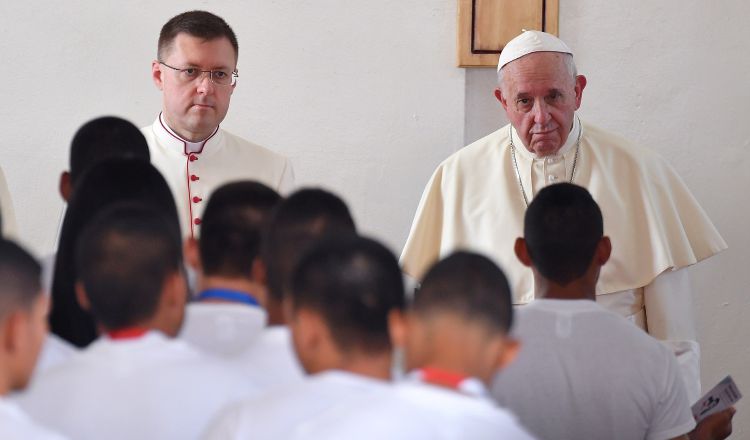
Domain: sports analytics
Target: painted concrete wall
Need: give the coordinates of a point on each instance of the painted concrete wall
(365, 99)
(672, 76)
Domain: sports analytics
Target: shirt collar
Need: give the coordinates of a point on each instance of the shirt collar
(470, 386)
(234, 296)
(562, 152)
(174, 141)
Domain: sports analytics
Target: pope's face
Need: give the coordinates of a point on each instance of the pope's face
(193, 109)
(540, 96)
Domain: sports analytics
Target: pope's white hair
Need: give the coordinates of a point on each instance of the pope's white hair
(569, 63)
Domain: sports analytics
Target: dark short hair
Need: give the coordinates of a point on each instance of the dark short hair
(104, 184)
(199, 24)
(562, 228)
(296, 223)
(124, 257)
(232, 225)
(105, 138)
(353, 283)
(19, 278)
(469, 285)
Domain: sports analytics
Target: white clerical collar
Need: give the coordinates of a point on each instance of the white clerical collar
(566, 148)
(189, 147)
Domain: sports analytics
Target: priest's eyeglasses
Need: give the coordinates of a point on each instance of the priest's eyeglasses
(219, 77)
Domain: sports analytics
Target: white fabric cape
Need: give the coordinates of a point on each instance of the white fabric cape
(473, 201)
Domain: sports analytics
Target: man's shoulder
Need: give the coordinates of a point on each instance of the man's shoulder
(616, 147)
(240, 145)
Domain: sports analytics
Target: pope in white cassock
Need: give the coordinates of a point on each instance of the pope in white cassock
(477, 198)
(196, 71)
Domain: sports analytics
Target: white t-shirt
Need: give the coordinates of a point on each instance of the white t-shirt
(271, 359)
(150, 387)
(414, 411)
(223, 329)
(585, 373)
(16, 425)
(55, 351)
(286, 412)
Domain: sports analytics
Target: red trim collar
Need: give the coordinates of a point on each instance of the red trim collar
(127, 333)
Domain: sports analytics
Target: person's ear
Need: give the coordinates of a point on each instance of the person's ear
(522, 252)
(603, 250)
(258, 271)
(580, 85)
(13, 331)
(508, 353)
(191, 249)
(82, 297)
(309, 330)
(500, 97)
(398, 327)
(156, 74)
(65, 186)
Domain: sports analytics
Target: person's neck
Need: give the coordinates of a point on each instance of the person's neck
(376, 366)
(275, 311)
(187, 135)
(243, 285)
(581, 288)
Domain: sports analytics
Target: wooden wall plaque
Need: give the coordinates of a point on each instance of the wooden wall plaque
(486, 26)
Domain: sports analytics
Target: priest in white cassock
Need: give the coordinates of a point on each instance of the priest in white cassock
(477, 199)
(196, 70)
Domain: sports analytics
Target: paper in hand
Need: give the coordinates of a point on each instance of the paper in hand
(721, 397)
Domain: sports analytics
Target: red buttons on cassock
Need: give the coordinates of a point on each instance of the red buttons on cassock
(197, 221)
(192, 157)
(196, 199)
(193, 177)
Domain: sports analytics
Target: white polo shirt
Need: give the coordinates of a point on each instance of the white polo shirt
(16, 425)
(285, 413)
(271, 359)
(586, 373)
(148, 387)
(224, 329)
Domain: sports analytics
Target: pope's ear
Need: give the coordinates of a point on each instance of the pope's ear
(156, 73)
(580, 85)
(500, 97)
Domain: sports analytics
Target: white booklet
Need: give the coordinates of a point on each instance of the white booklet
(722, 396)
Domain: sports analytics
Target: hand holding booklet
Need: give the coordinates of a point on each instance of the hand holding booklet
(724, 395)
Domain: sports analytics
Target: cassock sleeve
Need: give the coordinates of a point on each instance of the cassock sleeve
(423, 245)
(668, 302)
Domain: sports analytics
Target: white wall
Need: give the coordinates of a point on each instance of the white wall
(673, 76)
(365, 98)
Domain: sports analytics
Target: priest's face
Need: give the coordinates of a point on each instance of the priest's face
(540, 94)
(193, 108)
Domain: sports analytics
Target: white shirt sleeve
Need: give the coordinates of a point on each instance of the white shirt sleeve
(672, 416)
(669, 316)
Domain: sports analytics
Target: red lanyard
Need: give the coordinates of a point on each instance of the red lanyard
(127, 333)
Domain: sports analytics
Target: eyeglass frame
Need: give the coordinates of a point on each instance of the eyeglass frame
(234, 74)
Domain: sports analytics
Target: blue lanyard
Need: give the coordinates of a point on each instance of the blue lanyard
(229, 295)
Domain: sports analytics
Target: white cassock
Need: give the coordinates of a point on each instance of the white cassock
(585, 373)
(286, 412)
(17, 425)
(271, 359)
(194, 170)
(149, 387)
(414, 411)
(223, 329)
(474, 201)
(7, 212)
